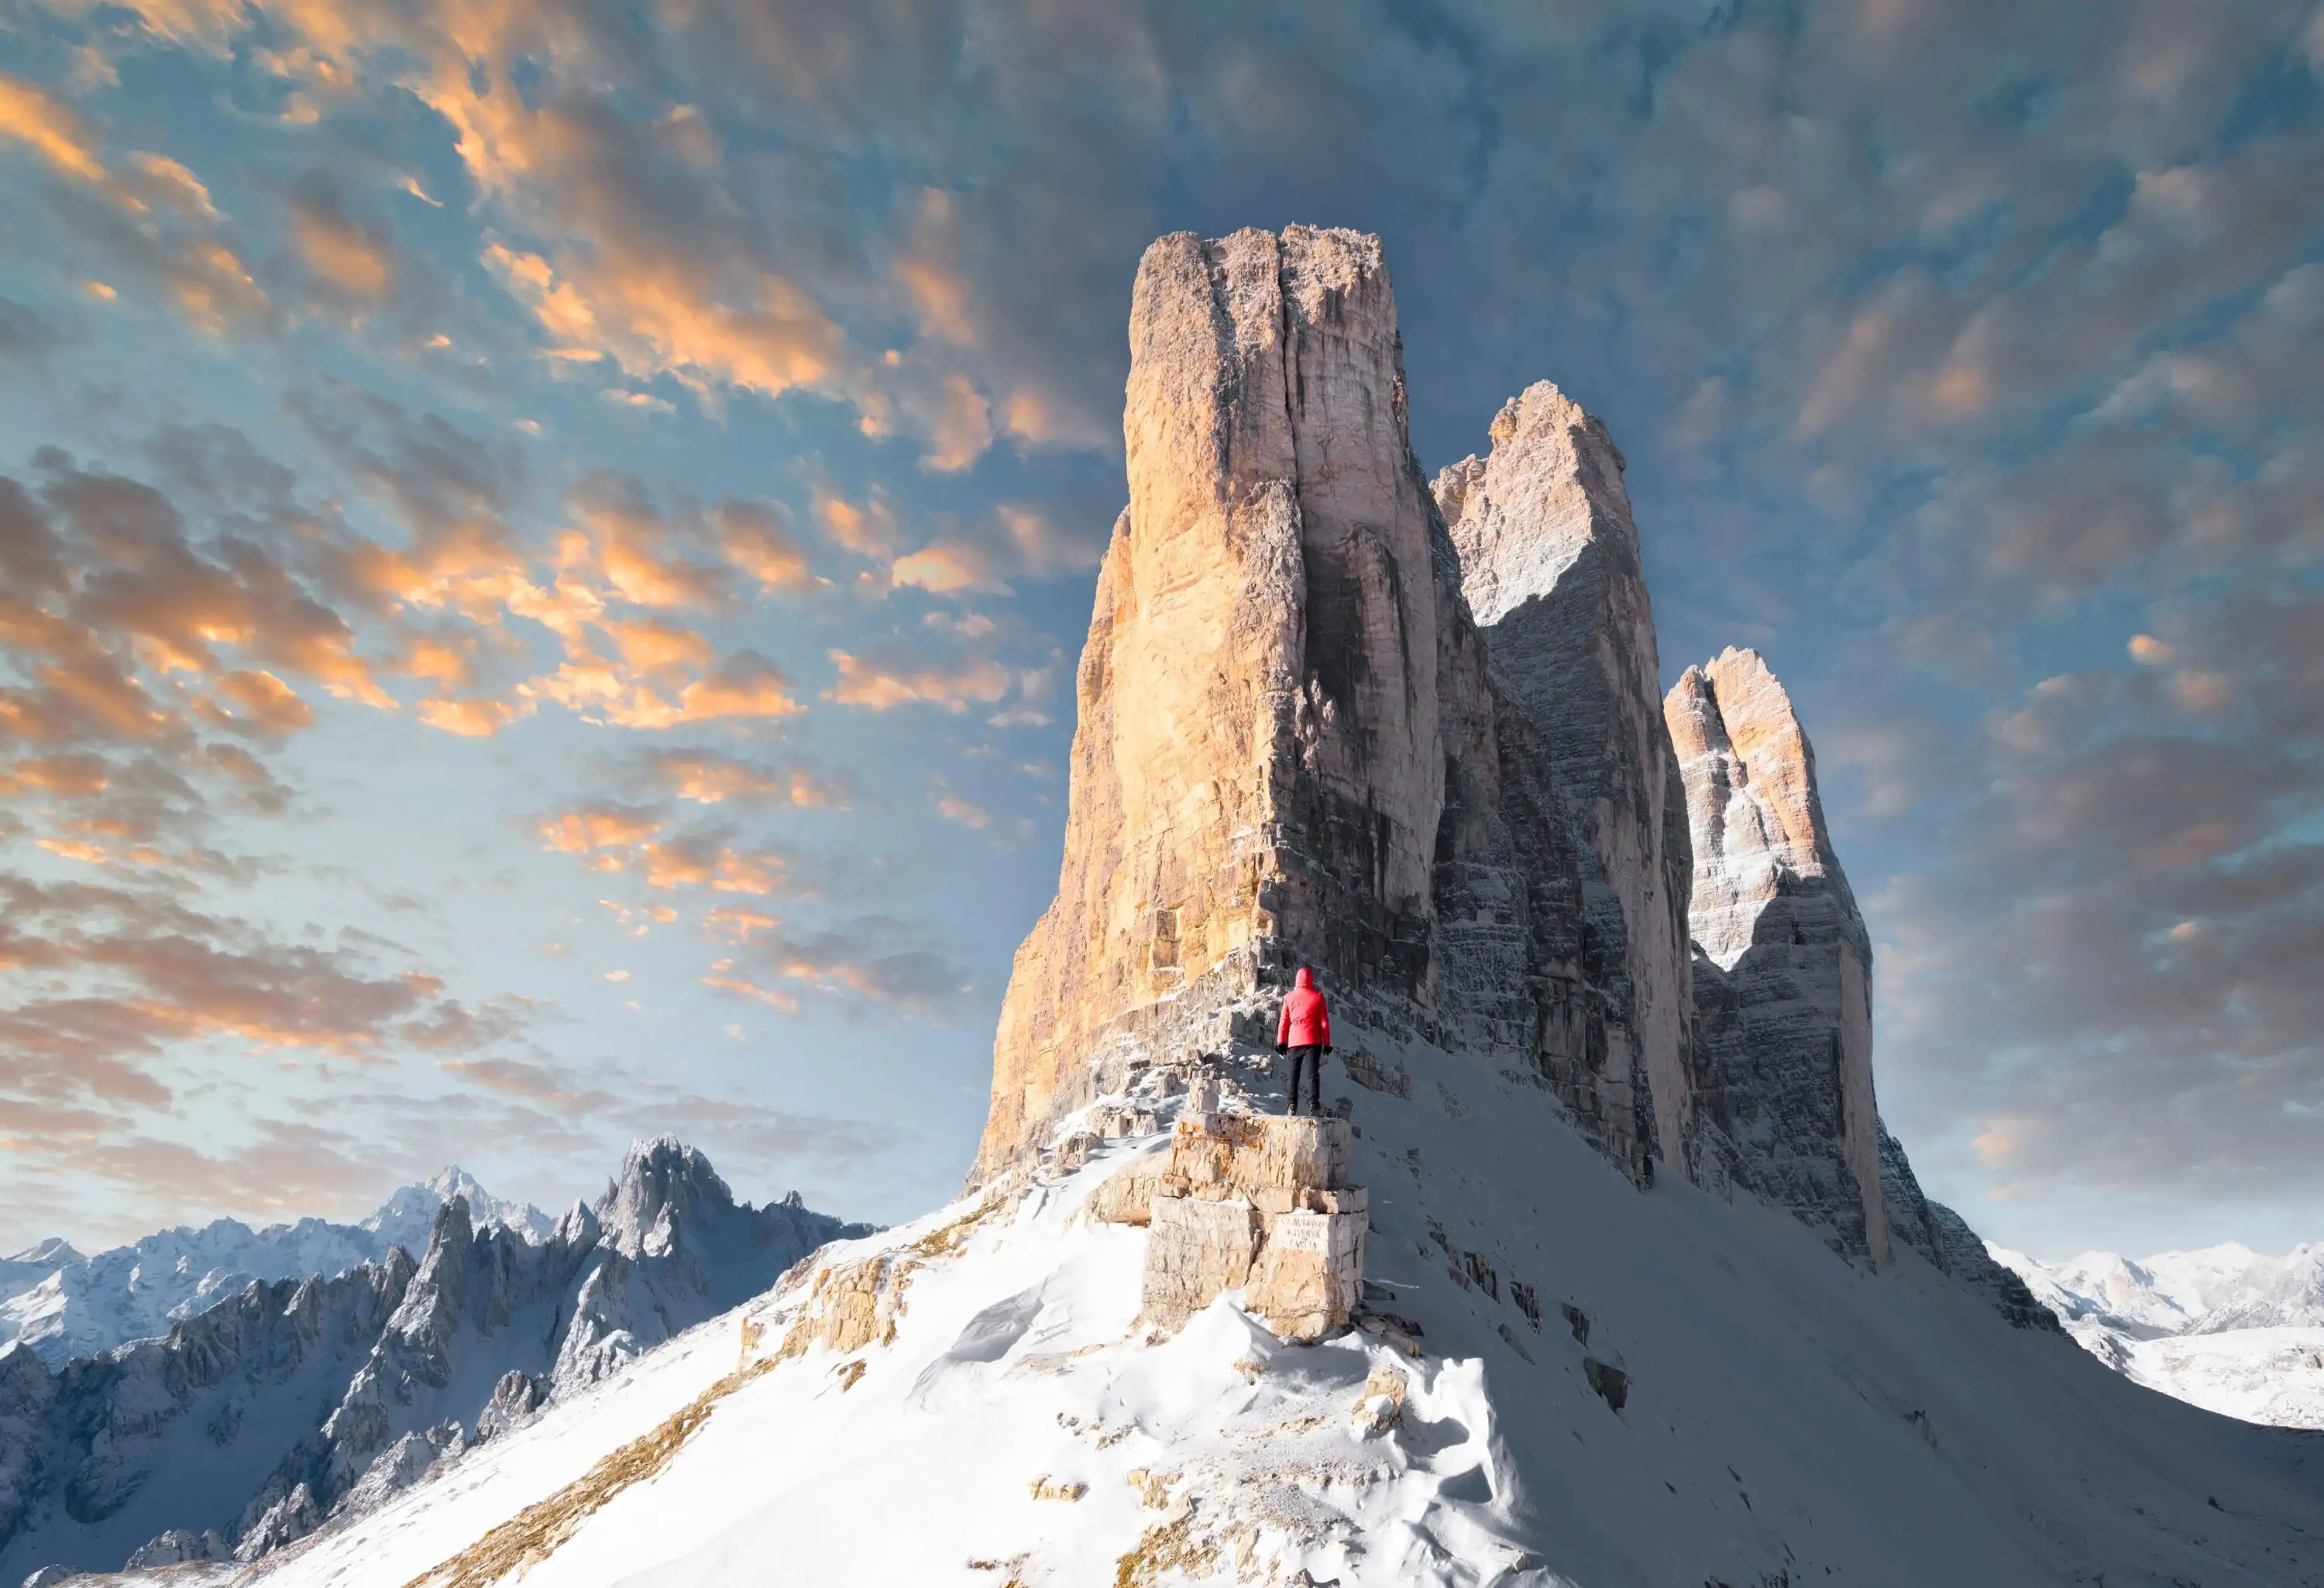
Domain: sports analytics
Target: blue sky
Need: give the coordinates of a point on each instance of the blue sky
(544, 545)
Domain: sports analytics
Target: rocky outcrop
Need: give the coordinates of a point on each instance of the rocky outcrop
(1783, 969)
(1287, 750)
(1549, 563)
(305, 1400)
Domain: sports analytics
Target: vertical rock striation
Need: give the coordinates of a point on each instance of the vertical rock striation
(1287, 748)
(1783, 967)
(1549, 563)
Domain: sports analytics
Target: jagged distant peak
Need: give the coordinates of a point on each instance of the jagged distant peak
(410, 1210)
(663, 1182)
(663, 1163)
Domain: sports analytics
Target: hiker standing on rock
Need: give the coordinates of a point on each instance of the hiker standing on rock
(1305, 1029)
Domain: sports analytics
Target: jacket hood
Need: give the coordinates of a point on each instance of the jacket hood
(1306, 977)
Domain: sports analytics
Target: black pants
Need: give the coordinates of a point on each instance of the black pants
(1310, 1058)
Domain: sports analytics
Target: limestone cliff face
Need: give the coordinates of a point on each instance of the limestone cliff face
(1287, 750)
(1782, 972)
(1549, 563)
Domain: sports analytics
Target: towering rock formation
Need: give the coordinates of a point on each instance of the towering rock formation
(1287, 750)
(1549, 562)
(1782, 968)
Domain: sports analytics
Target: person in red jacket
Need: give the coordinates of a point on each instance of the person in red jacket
(1305, 1028)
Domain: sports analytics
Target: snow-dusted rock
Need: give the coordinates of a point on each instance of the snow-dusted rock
(1549, 563)
(1783, 976)
(1289, 751)
(175, 1547)
(516, 1396)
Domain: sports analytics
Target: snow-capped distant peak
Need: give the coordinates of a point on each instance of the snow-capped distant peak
(405, 1218)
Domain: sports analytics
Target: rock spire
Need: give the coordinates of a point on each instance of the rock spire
(1549, 563)
(1783, 964)
(1287, 748)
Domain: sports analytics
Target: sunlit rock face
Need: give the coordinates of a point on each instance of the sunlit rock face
(1549, 563)
(1287, 750)
(1782, 972)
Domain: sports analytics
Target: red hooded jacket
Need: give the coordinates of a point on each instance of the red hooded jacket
(1306, 1022)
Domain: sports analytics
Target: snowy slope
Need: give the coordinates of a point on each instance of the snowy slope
(2222, 1327)
(1789, 1418)
(64, 1304)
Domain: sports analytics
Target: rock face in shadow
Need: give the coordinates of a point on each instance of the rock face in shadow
(1287, 748)
(1782, 968)
(1549, 563)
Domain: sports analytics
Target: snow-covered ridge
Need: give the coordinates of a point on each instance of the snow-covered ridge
(2223, 1327)
(311, 1396)
(973, 1398)
(64, 1304)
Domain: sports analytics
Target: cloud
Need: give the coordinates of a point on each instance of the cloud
(873, 962)
(257, 703)
(49, 128)
(140, 972)
(756, 538)
(667, 855)
(1950, 345)
(942, 569)
(28, 336)
(597, 828)
(707, 776)
(894, 676)
(2135, 1016)
(151, 220)
(352, 261)
(953, 809)
(867, 529)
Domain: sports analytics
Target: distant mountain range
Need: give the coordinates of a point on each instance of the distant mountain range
(224, 1392)
(2223, 1327)
(64, 1304)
